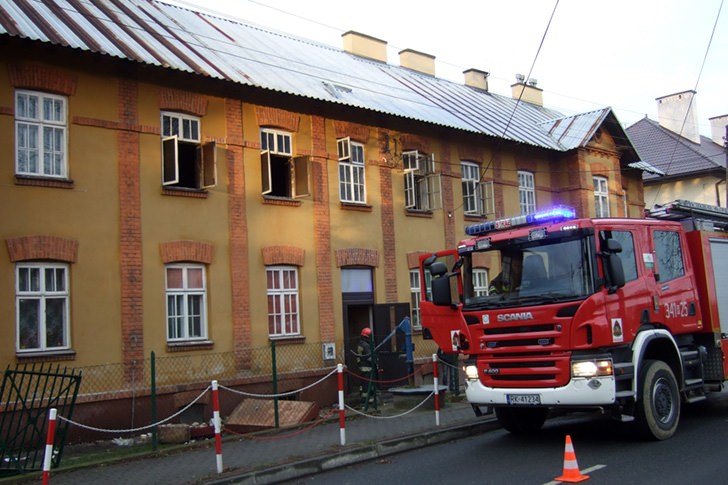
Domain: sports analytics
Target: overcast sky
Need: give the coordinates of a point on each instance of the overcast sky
(596, 53)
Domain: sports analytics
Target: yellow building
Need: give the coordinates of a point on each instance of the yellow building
(192, 186)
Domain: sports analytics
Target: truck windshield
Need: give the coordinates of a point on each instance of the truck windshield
(520, 273)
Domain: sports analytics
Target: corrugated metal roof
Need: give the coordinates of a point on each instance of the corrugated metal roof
(169, 36)
(575, 131)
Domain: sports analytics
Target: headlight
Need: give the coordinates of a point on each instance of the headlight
(471, 372)
(591, 368)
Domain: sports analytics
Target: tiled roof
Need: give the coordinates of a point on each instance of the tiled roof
(674, 155)
(172, 37)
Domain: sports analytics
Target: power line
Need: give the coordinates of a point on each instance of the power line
(697, 81)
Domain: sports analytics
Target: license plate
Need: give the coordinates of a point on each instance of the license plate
(524, 399)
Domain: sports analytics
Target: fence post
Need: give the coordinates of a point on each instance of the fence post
(153, 373)
(436, 385)
(275, 381)
(49, 445)
(216, 420)
(342, 415)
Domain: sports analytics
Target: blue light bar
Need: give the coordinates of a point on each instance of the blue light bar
(554, 214)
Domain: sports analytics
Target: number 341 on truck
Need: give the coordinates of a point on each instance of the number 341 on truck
(629, 316)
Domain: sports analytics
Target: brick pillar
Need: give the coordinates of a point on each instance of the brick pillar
(238, 230)
(448, 197)
(389, 246)
(322, 231)
(130, 234)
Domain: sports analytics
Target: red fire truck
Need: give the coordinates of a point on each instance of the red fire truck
(622, 315)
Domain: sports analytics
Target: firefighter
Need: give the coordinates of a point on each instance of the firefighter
(365, 363)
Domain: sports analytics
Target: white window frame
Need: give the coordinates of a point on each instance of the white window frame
(43, 293)
(526, 192)
(481, 283)
(183, 329)
(276, 146)
(352, 181)
(478, 197)
(422, 186)
(179, 128)
(277, 142)
(416, 296)
(283, 301)
(601, 196)
(39, 134)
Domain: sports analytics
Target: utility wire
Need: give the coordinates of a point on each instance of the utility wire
(685, 118)
(515, 107)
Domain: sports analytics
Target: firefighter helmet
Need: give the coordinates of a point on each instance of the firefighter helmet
(366, 331)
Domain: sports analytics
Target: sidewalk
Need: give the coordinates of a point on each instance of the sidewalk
(288, 454)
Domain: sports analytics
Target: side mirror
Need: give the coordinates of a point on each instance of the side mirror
(441, 291)
(613, 246)
(438, 268)
(616, 272)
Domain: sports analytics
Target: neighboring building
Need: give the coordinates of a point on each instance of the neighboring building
(693, 166)
(193, 186)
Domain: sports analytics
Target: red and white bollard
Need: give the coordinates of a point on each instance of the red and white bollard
(216, 421)
(49, 445)
(436, 385)
(342, 416)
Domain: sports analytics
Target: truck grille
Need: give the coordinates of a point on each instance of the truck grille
(530, 355)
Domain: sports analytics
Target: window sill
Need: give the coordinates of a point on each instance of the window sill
(191, 345)
(288, 339)
(285, 201)
(418, 213)
(185, 192)
(475, 218)
(54, 183)
(353, 206)
(45, 356)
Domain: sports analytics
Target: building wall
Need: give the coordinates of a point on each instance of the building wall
(708, 189)
(127, 226)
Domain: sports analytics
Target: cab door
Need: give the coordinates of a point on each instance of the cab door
(675, 287)
(443, 323)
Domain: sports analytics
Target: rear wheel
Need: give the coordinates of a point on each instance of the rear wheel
(658, 406)
(521, 420)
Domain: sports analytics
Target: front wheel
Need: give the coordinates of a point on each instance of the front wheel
(658, 406)
(520, 420)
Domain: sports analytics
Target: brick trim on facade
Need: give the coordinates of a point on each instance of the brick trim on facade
(238, 233)
(278, 118)
(322, 232)
(195, 251)
(357, 257)
(130, 232)
(28, 248)
(275, 255)
(389, 241)
(471, 153)
(43, 78)
(184, 101)
(413, 258)
(356, 131)
(414, 142)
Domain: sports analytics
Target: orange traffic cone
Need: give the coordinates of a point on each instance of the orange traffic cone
(571, 467)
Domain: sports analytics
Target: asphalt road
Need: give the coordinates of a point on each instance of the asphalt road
(605, 450)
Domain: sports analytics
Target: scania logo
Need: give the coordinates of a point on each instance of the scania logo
(511, 317)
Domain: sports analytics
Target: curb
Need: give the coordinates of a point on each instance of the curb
(356, 454)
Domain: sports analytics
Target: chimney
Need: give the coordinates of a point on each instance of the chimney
(527, 90)
(365, 46)
(718, 125)
(476, 78)
(678, 113)
(417, 61)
